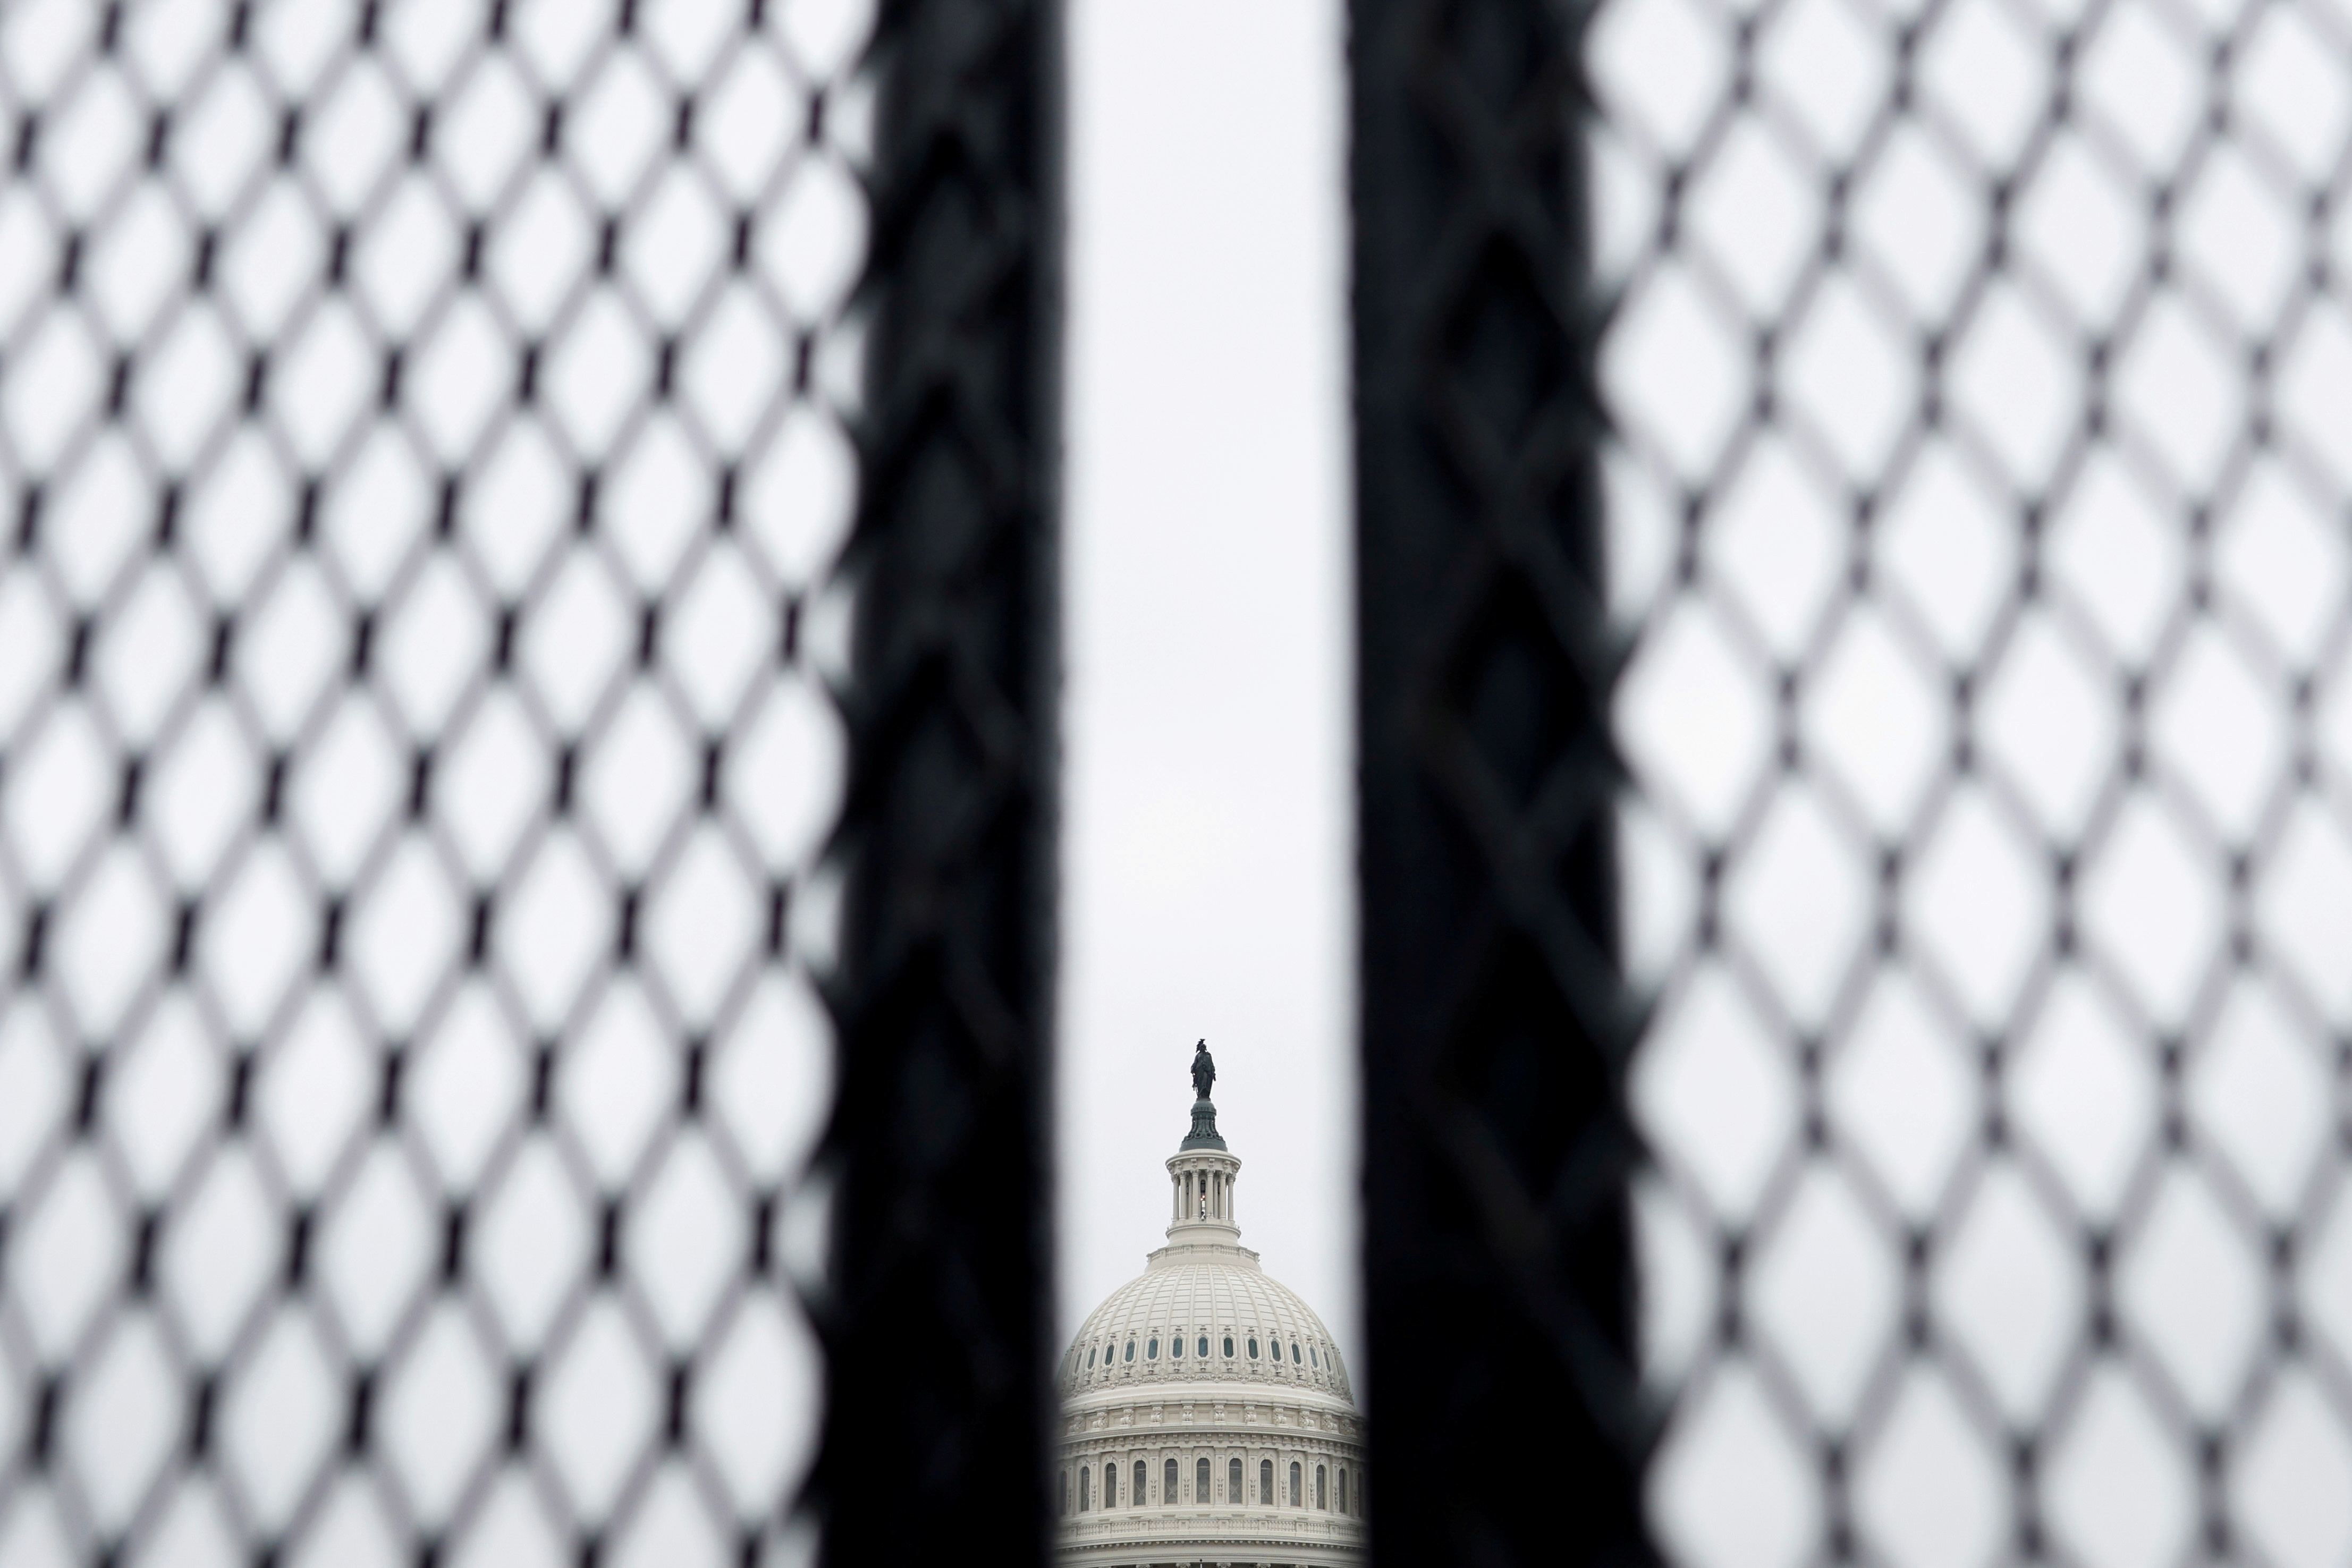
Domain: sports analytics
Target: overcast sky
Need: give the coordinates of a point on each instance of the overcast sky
(1208, 839)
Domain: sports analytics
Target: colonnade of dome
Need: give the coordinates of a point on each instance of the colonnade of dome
(1318, 1477)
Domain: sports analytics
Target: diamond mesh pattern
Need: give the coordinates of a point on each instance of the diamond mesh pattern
(1496, 1033)
(1980, 372)
(936, 1310)
(422, 450)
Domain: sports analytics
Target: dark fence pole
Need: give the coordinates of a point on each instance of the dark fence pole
(936, 1314)
(1507, 1420)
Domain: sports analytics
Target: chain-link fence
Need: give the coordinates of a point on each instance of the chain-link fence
(429, 438)
(938, 1305)
(423, 450)
(1499, 1299)
(1980, 373)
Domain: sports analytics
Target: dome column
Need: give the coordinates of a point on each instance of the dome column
(1202, 1183)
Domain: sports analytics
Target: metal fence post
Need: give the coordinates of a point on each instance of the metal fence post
(1507, 1421)
(936, 1315)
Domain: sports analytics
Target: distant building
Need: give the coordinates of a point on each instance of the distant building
(1207, 1416)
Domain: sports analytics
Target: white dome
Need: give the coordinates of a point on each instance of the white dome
(1212, 1297)
(1206, 1415)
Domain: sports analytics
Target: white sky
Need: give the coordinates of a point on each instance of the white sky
(1208, 883)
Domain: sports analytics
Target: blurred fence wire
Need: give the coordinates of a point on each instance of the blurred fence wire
(1978, 372)
(424, 445)
(1855, 612)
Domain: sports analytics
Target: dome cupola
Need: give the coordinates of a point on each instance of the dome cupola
(1203, 1173)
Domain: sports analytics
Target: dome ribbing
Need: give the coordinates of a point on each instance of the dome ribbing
(1211, 1300)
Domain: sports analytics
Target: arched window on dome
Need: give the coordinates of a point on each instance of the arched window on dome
(1265, 1481)
(1233, 1479)
(1086, 1489)
(1276, 1346)
(1294, 1483)
(1200, 1482)
(1168, 1483)
(1253, 1347)
(1294, 1353)
(1204, 1348)
(1322, 1488)
(1090, 1360)
(1130, 1350)
(1343, 1489)
(1151, 1350)
(1228, 1347)
(1176, 1347)
(1142, 1486)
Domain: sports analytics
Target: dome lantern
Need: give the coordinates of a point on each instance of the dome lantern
(1202, 1183)
(1201, 1174)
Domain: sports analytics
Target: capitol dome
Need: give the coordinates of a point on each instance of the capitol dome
(1207, 1415)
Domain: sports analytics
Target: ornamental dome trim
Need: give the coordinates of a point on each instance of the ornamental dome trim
(1211, 1300)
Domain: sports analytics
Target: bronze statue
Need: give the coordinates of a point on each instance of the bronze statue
(1204, 1070)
